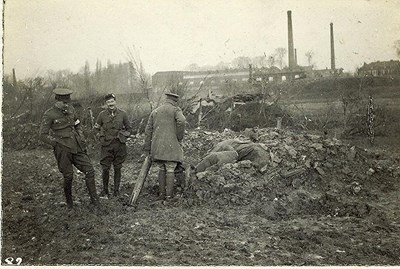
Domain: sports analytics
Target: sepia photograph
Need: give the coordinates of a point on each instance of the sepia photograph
(200, 133)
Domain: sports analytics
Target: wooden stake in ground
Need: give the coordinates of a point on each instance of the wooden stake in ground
(144, 171)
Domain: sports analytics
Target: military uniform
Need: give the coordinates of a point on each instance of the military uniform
(217, 158)
(60, 128)
(114, 128)
(232, 150)
(164, 131)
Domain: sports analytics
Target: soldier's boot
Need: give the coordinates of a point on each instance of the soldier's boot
(106, 178)
(170, 178)
(180, 181)
(117, 180)
(161, 183)
(68, 192)
(91, 186)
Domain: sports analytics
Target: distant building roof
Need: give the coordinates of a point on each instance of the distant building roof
(205, 72)
(381, 65)
(168, 72)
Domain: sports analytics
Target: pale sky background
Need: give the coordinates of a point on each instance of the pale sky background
(171, 34)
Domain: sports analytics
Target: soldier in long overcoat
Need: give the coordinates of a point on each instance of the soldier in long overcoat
(61, 128)
(163, 135)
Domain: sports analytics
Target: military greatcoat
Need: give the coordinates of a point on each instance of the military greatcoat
(164, 131)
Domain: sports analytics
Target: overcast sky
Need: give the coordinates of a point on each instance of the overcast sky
(171, 34)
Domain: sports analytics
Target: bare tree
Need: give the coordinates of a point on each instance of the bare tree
(192, 67)
(259, 61)
(138, 71)
(241, 62)
(86, 77)
(397, 48)
(280, 54)
(270, 61)
(221, 66)
(60, 78)
(309, 55)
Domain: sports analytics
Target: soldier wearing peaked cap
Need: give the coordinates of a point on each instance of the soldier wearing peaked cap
(63, 93)
(164, 131)
(115, 129)
(61, 128)
(172, 96)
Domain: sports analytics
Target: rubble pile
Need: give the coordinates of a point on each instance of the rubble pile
(305, 175)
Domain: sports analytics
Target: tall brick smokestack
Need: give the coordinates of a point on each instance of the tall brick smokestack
(290, 39)
(332, 49)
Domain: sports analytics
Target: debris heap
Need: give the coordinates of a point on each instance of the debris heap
(305, 175)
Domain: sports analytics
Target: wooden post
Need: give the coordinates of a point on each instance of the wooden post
(144, 171)
(200, 113)
(140, 126)
(14, 78)
(279, 123)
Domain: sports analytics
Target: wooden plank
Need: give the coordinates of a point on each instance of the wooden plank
(140, 181)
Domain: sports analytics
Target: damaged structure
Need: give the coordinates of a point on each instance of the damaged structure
(380, 69)
(215, 79)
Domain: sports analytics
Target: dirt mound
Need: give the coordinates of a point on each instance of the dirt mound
(338, 205)
(305, 175)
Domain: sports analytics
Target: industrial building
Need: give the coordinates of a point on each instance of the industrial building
(213, 79)
(380, 69)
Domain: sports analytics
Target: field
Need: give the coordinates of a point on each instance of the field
(320, 201)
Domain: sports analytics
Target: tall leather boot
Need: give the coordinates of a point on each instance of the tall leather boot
(68, 192)
(170, 178)
(91, 186)
(106, 178)
(117, 180)
(161, 183)
(180, 181)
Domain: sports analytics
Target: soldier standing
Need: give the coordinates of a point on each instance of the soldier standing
(115, 128)
(68, 144)
(164, 131)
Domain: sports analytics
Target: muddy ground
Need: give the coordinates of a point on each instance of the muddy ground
(319, 201)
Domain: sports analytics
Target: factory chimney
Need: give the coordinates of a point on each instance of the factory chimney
(332, 49)
(290, 39)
